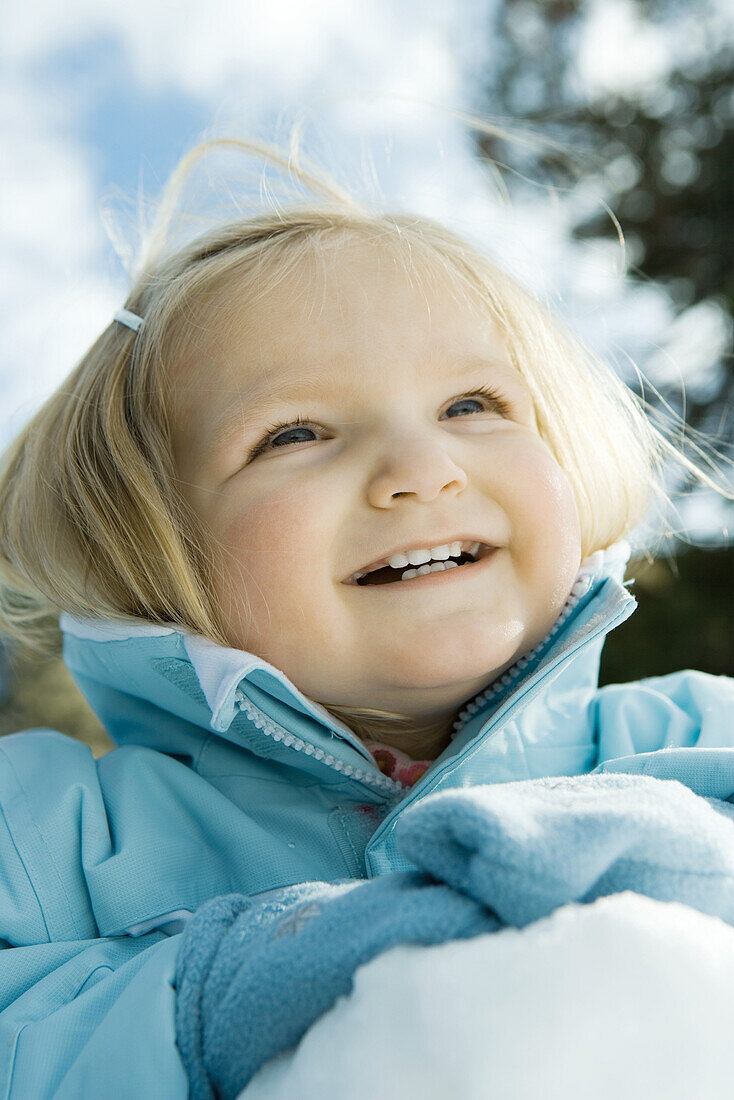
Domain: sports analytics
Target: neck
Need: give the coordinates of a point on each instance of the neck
(419, 740)
(426, 743)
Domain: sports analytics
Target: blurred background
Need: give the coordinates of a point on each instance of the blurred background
(612, 198)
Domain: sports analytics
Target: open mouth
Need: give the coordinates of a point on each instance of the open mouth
(430, 572)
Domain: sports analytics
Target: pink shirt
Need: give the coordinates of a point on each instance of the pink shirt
(396, 764)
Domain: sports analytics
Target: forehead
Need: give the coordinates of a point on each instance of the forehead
(336, 320)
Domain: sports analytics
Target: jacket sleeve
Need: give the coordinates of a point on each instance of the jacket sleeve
(81, 1014)
(679, 726)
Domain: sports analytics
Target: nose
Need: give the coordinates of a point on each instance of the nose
(415, 467)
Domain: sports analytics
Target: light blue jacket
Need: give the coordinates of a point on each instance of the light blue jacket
(228, 779)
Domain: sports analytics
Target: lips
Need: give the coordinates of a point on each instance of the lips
(407, 547)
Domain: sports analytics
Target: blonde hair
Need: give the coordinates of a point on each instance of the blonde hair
(91, 518)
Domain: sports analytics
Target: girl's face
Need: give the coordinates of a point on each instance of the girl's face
(393, 453)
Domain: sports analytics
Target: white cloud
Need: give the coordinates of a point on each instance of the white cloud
(619, 50)
(52, 255)
(243, 59)
(265, 48)
(692, 350)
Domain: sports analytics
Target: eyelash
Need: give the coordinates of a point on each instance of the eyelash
(501, 406)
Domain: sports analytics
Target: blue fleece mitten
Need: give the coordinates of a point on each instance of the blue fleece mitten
(254, 975)
(526, 848)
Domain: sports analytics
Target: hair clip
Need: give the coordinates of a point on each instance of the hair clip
(130, 320)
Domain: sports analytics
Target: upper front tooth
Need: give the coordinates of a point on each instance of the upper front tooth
(420, 557)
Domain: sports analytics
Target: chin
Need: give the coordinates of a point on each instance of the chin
(472, 658)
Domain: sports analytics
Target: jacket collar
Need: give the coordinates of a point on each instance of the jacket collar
(160, 686)
(598, 602)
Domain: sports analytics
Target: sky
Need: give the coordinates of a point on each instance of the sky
(98, 100)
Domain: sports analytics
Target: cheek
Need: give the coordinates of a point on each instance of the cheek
(541, 501)
(275, 540)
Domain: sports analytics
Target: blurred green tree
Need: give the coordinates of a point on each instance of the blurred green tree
(663, 152)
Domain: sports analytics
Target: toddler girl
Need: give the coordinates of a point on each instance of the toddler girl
(334, 514)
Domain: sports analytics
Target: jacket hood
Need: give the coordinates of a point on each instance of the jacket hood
(172, 690)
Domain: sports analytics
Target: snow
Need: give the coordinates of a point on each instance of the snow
(627, 997)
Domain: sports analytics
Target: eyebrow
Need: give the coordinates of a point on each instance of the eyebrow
(255, 405)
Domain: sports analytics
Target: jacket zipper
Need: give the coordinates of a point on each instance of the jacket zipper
(580, 588)
(430, 779)
(271, 728)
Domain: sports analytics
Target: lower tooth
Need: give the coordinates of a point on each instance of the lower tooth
(437, 567)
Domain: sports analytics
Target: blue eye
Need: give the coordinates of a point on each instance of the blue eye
(271, 438)
(268, 439)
